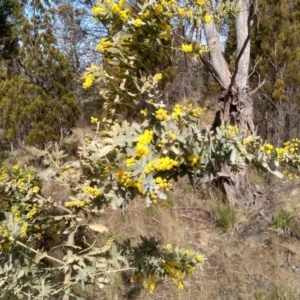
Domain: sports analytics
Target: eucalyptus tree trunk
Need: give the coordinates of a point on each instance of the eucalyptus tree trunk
(237, 107)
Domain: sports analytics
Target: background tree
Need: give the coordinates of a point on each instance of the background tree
(10, 18)
(275, 50)
(276, 57)
(37, 103)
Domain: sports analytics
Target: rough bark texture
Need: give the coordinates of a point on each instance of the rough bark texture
(237, 102)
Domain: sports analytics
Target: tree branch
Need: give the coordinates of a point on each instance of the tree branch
(252, 11)
(258, 87)
(37, 252)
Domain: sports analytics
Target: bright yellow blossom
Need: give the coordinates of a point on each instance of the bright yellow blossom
(94, 120)
(181, 11)
(161, 114)
(88, 80)
(137, 22)
(187, 48)
(144, 112)
(158, 10)
(104, 45)
(93, 192)
(201, 2)
(208, 18)
(141, 150)
(115, 8)
(36, 189)
(130, 162)
(97, 11)
(157, 76)
(122, 3)
(124, 15)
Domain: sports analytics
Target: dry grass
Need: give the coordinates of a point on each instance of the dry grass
(237, 266)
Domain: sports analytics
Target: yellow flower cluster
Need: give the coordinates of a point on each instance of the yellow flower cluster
(94, 120)
(104, 45)
(208, 18)
(16, 212)
(188, 261)
(5, 232)
(124, 14)
(130, 162)
(197, 112)
(143, 140)
(267, 148)
(161, 164)
(230, 131)
(193, 159)
(24, 228)
(167, 137)
(290, 149)
(32, 212)
(88, 80)
(35, 189)
(109, 241)
(181, 11)
(75, 203)
(5, 246)
(201, 2)
(168, 246)
(158, 10)
(291, 176)
(187, 48)
(163, 183)
(135, 277)
(161, 114)
(141, 150)
(106, 169)
(115, 8)
(146, 138)
(92, 192)
(173, 268)
(177, 110)
(97, 11)
(148, 284)
(166, 31)
(118, 9)
(138, 22)
(170, 135)
(125, 178)
(144, 112)
(3, 173)
(157, 77)
(16, 168)
(139, 184)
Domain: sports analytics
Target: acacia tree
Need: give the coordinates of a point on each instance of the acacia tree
(144, 30)
(275, 52)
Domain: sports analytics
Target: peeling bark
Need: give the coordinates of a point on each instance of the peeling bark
(237, 108)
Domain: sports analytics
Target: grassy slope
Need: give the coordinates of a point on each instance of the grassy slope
(252, 260)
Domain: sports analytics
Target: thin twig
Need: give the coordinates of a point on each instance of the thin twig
(120, 270)
(255, 67)
(258, 87)
(191, 218)
(37, 252)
